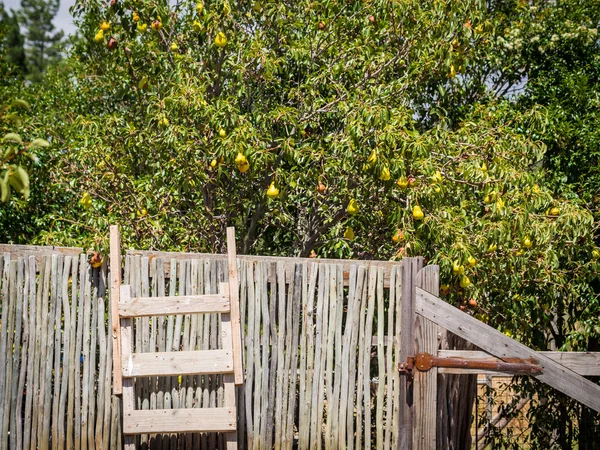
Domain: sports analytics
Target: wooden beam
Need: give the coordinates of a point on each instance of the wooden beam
(115, 285)
(203, 362)
(126, 351)
(183, 304)
(234, 297)
(288, 262)
(496, 343)
(425, 383)
(582, 363)
(188, 420)
(39, 251)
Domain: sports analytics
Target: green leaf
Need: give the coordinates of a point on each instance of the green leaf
(13, 137)
(20, 103)
(39, 143)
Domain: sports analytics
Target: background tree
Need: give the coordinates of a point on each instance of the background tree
(13, 50)
(42, 42)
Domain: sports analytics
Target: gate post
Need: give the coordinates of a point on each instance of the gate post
(427, 340)
(410, 268)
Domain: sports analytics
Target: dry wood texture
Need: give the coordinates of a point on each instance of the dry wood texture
(302, 327)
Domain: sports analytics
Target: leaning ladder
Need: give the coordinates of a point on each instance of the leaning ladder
(226, 361)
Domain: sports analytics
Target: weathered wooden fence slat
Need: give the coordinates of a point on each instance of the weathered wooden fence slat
(312, 378)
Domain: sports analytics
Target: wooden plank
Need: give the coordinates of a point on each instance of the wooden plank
(234, 296)
(57, 286)
(101, 351)
(357, 322)
(73, 357)
(582, 363)
(345, 368)
(32, 357)
(258, 373)
(183, 304)
(266, 427)
(229, 379)
(329, 344)
(391, 370)
(115, 283)
(3, 343)
(250, 354)
(425, 383)
(78, 348)
(44, 441)
(202, 362)
(367, 355)
(66, 346)
(179, 420)
(382, 382)
(397, 380)
(288, 262)
(126, 354)
(410, 267)
(20, 360)
(91, 361)
(5, 395)
(87, 336)
(280, 348)
(496, 343)
(38, 251)
(362, 348)
(296, 300)
(336, 428)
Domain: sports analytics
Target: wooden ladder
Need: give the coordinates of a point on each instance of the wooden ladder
(226, 361)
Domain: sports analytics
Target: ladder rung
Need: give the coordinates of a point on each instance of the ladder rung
(178, 363)
(179, 420)
(183, 304)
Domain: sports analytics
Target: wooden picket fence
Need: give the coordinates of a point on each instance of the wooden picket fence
(320, 350)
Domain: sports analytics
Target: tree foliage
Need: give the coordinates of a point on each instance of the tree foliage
(462, 131)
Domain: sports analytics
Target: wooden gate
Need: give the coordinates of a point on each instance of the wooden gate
(426, 320)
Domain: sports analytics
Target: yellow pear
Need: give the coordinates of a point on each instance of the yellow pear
(458, 269)
(527, 242)
(555, 211)
(220, 39)
(222, 133)
(452, 71)
(418, 213)
(385, 174)
(86, 200)
(243, 167)
(240, 159)
(465, 282)
(199, 7)
(402, 182)
(472, 261)
(213, 163)
(437, 177)
(142, 27)
(372, 158)
(272, 192)
(349, 234)
(99, 36)
(174, 46)
(353, 207)
(157, 24)
(136, 17)
(197, 26)
(105, 26)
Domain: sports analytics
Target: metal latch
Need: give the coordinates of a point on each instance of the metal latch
(425, 361)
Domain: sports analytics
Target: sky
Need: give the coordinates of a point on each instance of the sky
(62, 21)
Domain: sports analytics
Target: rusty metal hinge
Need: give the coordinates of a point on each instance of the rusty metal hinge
(425, 361)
